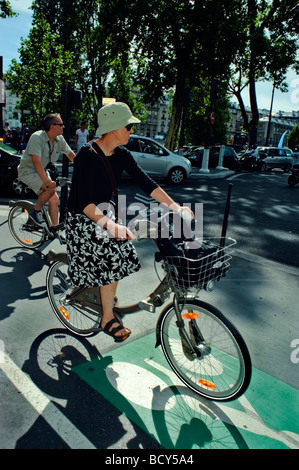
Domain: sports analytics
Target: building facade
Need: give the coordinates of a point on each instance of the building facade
(268, 134)
(8, 112)
(158, 118)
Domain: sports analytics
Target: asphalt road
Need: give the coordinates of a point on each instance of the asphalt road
(43, 406)
(264, 212)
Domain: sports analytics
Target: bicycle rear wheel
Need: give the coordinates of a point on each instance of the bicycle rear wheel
(25, 232)
(220, 367)
(67, 307)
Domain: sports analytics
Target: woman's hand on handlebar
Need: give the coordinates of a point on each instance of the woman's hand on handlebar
(120, 232)
(186, 213)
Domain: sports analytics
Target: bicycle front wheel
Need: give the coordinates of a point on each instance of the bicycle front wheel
(25, 232)
(68, 308)
(219, 366)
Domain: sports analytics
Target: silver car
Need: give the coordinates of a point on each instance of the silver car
(157, 161)
(275, 157)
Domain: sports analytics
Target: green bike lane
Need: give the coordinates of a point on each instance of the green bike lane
(142, 386)
(260, 296)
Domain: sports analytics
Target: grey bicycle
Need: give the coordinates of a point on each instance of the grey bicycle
(201, 345)
(25, 231)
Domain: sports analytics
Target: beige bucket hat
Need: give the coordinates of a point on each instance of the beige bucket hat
(114, 116)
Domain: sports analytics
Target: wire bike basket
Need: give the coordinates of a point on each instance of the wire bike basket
(199, 268)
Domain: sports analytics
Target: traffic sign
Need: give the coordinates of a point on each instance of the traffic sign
(212, 118)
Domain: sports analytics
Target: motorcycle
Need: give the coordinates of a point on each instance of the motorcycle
(293, 179)
(249, 162)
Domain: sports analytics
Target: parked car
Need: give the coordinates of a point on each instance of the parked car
(157, 161)
(230, 158)
(186, 150)
(275, 157)
(9, 161)
(9, 181)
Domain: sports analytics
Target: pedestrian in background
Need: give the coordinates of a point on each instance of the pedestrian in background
(81, 137)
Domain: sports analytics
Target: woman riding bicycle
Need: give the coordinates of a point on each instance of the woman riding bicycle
(97, 254)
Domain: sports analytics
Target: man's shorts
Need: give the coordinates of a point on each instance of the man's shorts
(33, 181)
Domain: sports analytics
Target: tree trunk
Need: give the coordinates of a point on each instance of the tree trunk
(255, 113)
(180, 103)
(173, 128)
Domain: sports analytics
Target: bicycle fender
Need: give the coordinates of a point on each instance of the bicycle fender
(27, 205)
(61, 256)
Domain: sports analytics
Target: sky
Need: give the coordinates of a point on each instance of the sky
(12, 29)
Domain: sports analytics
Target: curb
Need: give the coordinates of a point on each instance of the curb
(266, 262)
(216, 175)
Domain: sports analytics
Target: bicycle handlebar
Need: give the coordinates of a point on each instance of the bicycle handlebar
(149, 229)
(63, 181)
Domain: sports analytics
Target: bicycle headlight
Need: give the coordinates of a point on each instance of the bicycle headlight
(210, 285)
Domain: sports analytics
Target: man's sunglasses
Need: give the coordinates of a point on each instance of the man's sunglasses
(129, 127)
(58, 124)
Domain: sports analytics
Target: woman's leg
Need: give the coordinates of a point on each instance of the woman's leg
(107, 296)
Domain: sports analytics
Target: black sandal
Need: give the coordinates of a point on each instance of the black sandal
(117, 339)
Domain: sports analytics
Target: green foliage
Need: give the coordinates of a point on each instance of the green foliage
(112, 46)
(120, 86)
(5, 9)
(93, 31)
(40, 77)
(293, 138)
(198, 117)
(268, 47)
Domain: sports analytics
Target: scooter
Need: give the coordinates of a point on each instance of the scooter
(249, 162)
(293, 179)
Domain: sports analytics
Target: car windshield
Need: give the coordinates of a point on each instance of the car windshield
(8, 149)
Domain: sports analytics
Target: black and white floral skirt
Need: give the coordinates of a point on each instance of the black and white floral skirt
(95, 259)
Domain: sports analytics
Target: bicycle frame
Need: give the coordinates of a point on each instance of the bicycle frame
(200, 344)
(155, 299)
(89, 298)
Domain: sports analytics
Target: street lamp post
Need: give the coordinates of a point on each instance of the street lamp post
(270, 117)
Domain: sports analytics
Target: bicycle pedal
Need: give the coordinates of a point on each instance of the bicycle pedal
(31, 227)
(62, 239)
(144, 305)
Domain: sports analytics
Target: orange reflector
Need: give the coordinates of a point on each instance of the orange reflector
(64, 312)
(27, 241)
(207, 384)
(25, 210)
(190, 315)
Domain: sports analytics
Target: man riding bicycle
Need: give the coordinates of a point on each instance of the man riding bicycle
(44, 148)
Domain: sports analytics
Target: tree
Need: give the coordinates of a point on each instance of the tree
(5, 9)
(293, 138)
(170, 42)
(40, 77)
(99, 43)
(267, 49)
(178, 44)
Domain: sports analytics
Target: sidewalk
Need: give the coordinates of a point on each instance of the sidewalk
(213, 173)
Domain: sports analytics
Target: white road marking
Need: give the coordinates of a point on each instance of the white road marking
(4, 212)
(64, 428)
